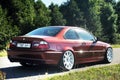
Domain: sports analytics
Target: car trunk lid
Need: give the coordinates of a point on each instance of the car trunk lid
(29, 43)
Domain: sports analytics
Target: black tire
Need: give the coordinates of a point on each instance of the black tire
(108, 56)
(67, 61)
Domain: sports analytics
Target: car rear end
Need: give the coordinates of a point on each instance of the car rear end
(33, 49)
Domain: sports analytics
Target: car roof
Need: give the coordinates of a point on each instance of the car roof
(68, 27)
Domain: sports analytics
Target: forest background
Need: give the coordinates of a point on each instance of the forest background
(101, 17)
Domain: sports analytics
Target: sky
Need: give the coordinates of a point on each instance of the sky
(48, 2)
(59, 2)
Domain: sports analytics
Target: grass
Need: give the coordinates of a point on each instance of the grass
(103, 73)
(3, 53)
(116, 45)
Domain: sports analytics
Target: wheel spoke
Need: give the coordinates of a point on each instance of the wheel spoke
(68, 60)
(109, 55)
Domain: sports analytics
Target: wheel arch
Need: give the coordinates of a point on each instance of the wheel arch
(108, 48)
(70, 49)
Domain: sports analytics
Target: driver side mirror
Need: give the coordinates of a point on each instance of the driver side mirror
(95, 40)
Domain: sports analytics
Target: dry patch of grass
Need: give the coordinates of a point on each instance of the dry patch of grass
(116, 45)
(3, 53)
(2, 75)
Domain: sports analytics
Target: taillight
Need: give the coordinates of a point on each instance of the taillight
(13, 44)
(40, 44)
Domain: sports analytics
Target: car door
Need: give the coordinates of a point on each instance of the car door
(88, 49)
(82, 47)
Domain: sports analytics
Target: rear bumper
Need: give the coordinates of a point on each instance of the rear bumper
(46, 57)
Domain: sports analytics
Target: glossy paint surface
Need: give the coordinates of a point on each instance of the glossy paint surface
(43, 49)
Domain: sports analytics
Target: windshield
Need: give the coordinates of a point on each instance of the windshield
(46, 31)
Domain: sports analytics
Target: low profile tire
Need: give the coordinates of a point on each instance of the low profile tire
(67, 61)
(109, 55)
(26, 64)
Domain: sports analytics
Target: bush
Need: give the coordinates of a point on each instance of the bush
(2, 41)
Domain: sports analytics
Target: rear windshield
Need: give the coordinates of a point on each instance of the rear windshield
(46, 31)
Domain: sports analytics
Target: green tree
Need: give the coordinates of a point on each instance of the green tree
(72, 14)
(42, 14)
(21, 13)
(113, 2)
(56, 15)
(91, 10)
(6, 30)
(117, 7)
(108, 20)
(25, 14)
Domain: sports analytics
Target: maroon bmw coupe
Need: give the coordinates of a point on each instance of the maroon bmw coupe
(58, 45)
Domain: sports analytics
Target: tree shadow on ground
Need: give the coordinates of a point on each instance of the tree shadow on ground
(20, 72)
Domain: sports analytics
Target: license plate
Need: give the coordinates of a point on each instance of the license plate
(24, 45)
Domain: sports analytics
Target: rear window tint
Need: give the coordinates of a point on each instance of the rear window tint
(46, 31)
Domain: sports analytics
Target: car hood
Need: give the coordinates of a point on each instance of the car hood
(104, 44)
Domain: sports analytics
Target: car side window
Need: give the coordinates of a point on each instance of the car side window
(71, 34)
(84, 35)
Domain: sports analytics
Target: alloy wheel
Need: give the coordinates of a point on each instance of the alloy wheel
(68, 60)
(109, 55)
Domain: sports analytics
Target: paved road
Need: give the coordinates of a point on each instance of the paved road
(14, 71)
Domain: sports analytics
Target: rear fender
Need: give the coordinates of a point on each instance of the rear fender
(68, 48)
